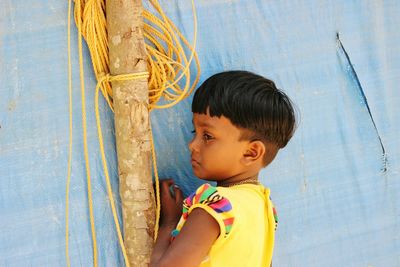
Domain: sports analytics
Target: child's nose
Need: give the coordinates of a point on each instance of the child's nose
(192, 144)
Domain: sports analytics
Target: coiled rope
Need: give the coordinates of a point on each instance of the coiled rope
(168, 65)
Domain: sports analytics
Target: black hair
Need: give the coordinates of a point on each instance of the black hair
(251, 102)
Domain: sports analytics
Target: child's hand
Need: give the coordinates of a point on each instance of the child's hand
(171, 204)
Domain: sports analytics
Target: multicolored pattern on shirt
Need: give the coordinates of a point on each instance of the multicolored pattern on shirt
(275, 214)
(207, 195)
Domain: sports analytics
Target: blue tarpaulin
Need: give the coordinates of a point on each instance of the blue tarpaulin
(336, 185)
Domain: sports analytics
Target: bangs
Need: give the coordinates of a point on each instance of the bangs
(208, 99)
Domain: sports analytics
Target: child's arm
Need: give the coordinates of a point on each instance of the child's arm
(195, 239)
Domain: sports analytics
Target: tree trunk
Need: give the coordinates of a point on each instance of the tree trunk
(127, 55)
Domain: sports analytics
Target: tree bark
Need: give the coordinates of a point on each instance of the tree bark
(127, 55)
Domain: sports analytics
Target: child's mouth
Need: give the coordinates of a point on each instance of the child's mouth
(194, 162)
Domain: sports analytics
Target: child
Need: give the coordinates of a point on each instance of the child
(240, 121)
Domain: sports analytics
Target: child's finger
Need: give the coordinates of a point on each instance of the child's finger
(165, 188)
(178, 194)
(165, 184)
(168, 181)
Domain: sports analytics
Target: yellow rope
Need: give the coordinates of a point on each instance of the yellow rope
(70, 138)
(85, 146)
(163, 63)
(158, 201)
(167, 64)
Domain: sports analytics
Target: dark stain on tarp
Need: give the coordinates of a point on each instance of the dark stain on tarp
(353, 72)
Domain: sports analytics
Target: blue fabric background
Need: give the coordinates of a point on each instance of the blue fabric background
(336, 185)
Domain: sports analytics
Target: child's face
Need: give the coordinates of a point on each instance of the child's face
(215, 147)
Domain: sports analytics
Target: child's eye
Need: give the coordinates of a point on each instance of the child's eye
(207, 137)
(193, 131)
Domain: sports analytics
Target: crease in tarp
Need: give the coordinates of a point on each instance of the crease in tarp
(365, 100)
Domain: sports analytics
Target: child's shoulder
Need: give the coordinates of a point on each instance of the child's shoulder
(209, 195)
(209, 199)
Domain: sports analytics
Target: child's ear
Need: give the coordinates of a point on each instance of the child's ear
(255, 151)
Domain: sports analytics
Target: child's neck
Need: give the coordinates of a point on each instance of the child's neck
(242, 179)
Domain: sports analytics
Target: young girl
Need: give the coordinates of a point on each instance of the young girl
(240, 121)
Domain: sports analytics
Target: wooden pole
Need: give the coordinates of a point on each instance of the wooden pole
(127, 55)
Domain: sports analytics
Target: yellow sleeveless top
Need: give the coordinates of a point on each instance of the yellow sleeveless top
(247, 220)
